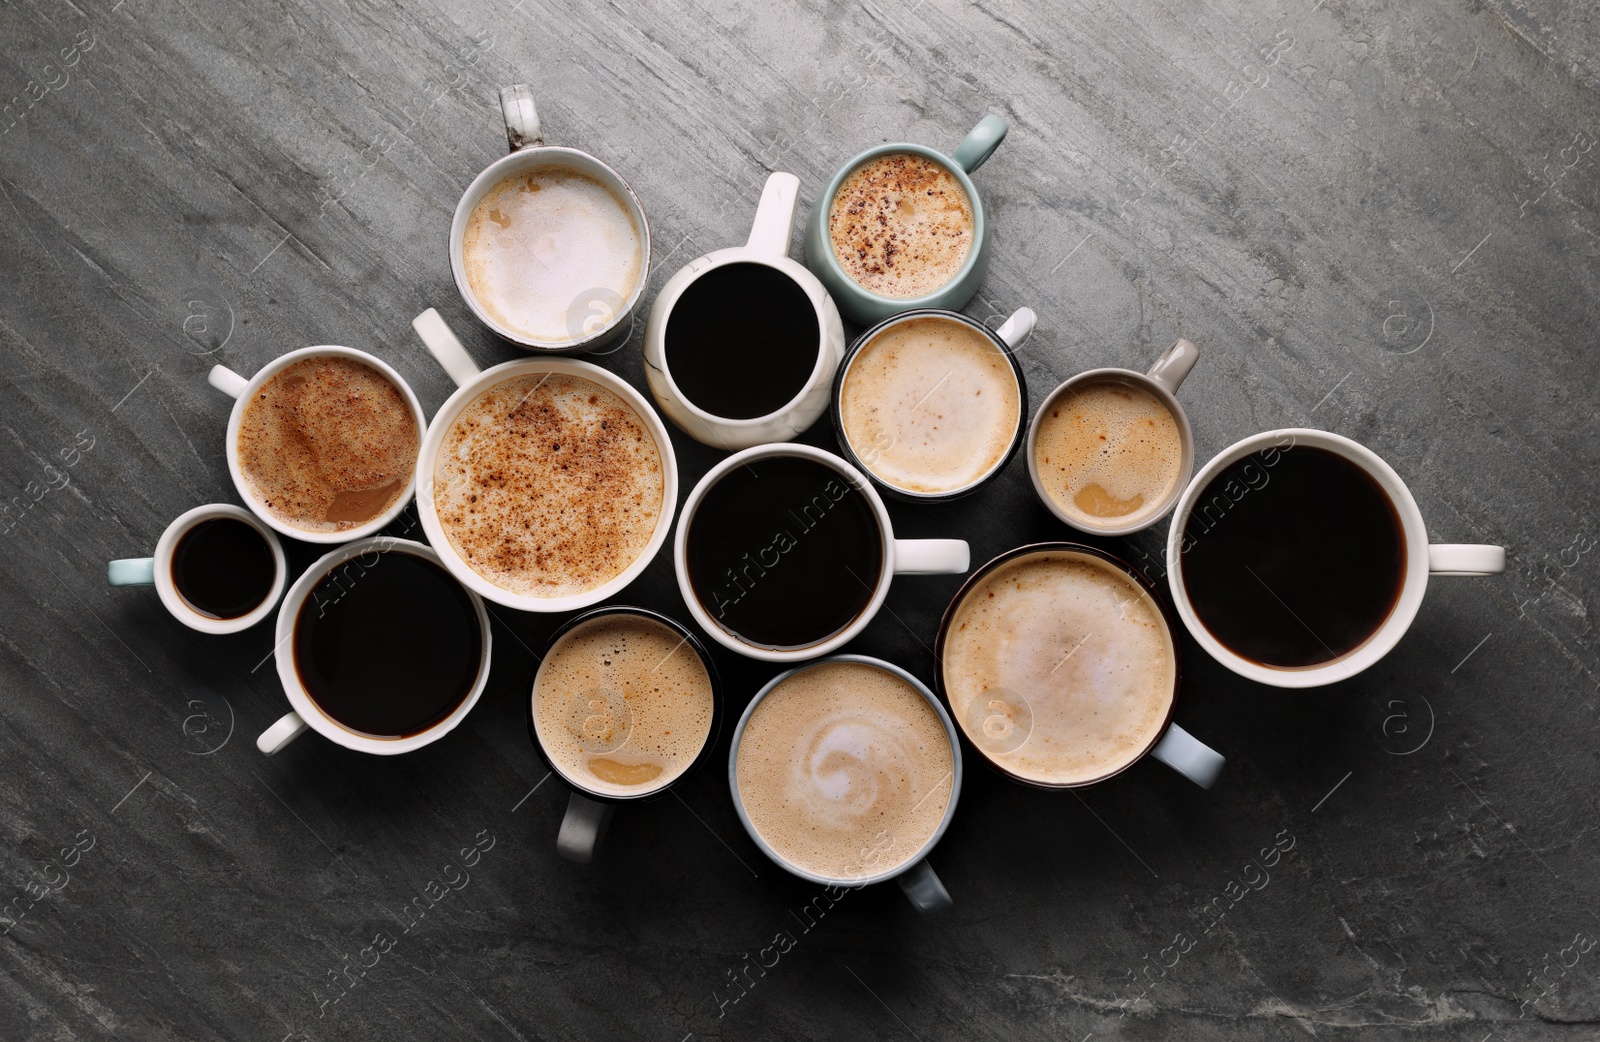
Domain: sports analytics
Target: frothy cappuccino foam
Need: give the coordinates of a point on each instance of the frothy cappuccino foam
(622, 704)
(901, 225)
(1108, 452)
(327, 444)
(930, 405)
(546, 251)
(845, 770)
(1059, 667)
(548, 485)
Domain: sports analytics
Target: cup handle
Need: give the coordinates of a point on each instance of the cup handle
(980, 142)
(1173, 365)
(582, 829)
(923, 889)
(931, 556)
(445, 348)
(280, 734)
(227, 381)
(1466, 559)
(1189, 756)
(132, 571)
(521, 116)
(769, 233)
(1016, 328)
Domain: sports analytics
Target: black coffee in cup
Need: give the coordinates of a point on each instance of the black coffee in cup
(742, 341)
(388, 644)
(223, 568)
(1293, 557)
(784, 552)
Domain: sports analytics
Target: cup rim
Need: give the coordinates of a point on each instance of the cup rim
(680, 546)
(167, 589)
(468, 393)
(798, 273)
(694, 642)
(836, 409)
(1139, 579)
(537, 156)
(951, 733)
(236, 419)
(1185, 436)
(1414, 582)
(979, 226)
(302, 702)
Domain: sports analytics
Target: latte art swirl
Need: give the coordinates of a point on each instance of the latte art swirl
(845, 770)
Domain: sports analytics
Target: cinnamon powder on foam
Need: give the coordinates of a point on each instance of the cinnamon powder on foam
(548, 485)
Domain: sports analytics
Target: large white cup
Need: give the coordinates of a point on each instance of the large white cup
(242, 390)
(900, 556)
(303, 710)
(471, 382)
(1422, 558)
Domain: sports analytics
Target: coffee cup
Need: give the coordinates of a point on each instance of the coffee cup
(307, 462)
(519, 524)
(932, 404)
(216, 569)
(1117, 428)
(846, 772)
(795, 568)
(942, 244)
(1060, 665)
(1298, 558)
(549, 245)
(379, 650)
(626, 703)
(741, 344)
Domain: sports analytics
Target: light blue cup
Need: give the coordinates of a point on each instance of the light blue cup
(861, 305)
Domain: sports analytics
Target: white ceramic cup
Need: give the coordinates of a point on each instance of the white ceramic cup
(242, 390)
(768, 245)
(900, 556)
(157, 571)
(1422, 558)
(597, 316)
(303, 710)
(916, 877)
(471, 382)
(1162, 380)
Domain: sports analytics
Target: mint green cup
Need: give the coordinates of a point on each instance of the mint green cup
(861, 305)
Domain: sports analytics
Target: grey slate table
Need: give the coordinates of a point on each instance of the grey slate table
(1380, 219)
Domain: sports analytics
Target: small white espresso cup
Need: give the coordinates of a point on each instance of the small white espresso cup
(303, 710)
(768, 245)
(157, 571)
(242, 390)
(1423, 559)
(470, 383)
(900, 556)
(596, 317)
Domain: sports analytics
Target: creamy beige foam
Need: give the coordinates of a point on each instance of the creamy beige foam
(540, 240)
(548, 485)
(930, 405)
(901, 225)
(1059, 667)
(623, 705)
(327, 444)
(845, 770)
(1109, 453)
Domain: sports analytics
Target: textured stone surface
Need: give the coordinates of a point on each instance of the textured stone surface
(1381, 219)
